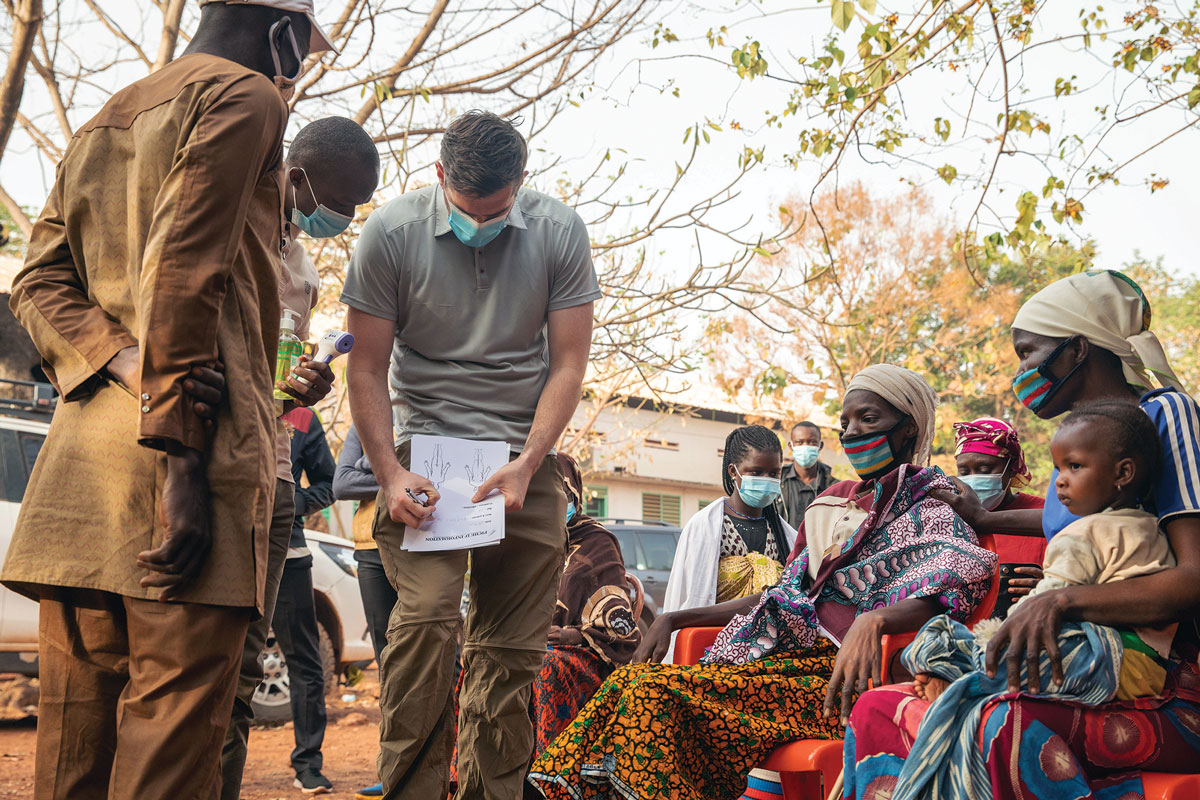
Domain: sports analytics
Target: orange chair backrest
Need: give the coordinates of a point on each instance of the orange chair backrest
(986, 540)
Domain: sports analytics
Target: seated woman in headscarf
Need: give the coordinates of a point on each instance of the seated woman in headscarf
(987, 452)
(874, 556)
(735, 547)
(593, 630)
(1082, 340)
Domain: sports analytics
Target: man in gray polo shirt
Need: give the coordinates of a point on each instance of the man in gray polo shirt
(478, 294)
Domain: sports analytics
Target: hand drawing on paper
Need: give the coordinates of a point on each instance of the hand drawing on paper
(477, 471)
(436, 467)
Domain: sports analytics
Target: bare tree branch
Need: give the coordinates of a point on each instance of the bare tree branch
(418, 42)
(27, 19)
(172, 14)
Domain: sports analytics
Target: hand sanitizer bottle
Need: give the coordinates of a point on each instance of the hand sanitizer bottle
(287, 357)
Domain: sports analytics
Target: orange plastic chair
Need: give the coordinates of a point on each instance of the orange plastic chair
(808, 768)
(1168, 786)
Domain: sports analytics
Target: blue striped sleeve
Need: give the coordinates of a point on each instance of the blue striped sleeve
(1177, 418)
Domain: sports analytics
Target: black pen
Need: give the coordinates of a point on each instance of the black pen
(416, 499)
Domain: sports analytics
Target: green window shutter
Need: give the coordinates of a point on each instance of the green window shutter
(661, 507)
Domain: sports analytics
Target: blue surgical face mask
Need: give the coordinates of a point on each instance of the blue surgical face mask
(988, 488)
(472, 233)
(757, 491)
(570, 511)
(324, 222)
(805, 455)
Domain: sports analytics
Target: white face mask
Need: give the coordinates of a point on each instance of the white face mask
(285, 85)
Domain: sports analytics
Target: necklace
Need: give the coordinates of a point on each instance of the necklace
(737, 513)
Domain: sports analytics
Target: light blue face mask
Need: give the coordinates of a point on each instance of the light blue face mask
(757, 491)
(988, 488)
(324, 222)
(805, 454)
(472, 233)
(570, 511)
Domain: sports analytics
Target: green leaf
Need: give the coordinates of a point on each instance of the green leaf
(947, 173)
(1194, 96)
(867, 6)
(843, 13)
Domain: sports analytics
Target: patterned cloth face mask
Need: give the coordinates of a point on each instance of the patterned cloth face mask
(1034, 387)
(871, 454)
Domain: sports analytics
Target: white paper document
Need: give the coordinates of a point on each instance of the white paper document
(457, 467)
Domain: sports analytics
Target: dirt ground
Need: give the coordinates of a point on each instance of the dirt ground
(351, 743)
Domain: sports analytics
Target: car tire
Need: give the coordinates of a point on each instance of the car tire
(272, 699)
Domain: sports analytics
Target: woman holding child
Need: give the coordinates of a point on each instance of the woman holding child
(1085, 347)
(875, 556)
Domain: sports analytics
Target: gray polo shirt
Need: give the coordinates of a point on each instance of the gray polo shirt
(470, 357)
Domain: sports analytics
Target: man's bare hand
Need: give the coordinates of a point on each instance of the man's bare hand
(512, 481)
(401, 507)
(125, 369)
(308, 383)
(207, 389)
(186, 516)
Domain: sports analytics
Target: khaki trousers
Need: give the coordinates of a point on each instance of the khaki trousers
(135, 696)
(237, 737)
(513, 589)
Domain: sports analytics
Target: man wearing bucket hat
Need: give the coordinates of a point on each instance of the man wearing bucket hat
(143, 533)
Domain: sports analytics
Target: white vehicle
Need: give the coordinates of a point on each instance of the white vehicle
(25, 411)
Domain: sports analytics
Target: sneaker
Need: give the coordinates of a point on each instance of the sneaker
(369, 792)
(311, 781)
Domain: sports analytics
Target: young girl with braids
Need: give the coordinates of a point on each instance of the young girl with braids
(736, 546)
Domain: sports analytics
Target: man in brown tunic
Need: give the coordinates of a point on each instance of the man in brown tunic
(143, 532)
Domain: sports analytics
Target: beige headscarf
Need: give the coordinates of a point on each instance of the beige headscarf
(908, 392)
(1109, 310)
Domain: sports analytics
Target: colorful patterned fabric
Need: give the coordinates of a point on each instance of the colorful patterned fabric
(1035, 748)
(569, 678)
(592, 595)
(945, 761)
(1038, 748)
(744, 575)
(687, 732)
(904, 548)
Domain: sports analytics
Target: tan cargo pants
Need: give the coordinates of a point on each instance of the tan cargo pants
(513, 588)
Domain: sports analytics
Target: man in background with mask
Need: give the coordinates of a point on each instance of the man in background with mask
(332, 168)
(143, 533)
(479, 293)
(806, 476)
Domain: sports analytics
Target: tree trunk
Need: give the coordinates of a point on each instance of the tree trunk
(27, 17)
(172, 14)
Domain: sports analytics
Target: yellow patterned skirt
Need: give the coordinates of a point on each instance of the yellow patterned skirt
(742, 576)
(687, 732)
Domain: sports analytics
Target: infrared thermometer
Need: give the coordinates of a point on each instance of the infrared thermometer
(333, 344)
